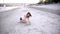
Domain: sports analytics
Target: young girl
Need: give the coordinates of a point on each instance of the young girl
(26, 18)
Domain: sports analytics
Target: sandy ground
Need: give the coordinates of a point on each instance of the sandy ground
(40, 23)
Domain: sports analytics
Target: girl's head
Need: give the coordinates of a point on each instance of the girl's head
(29, 13)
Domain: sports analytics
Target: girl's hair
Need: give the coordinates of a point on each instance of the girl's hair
(29, 13)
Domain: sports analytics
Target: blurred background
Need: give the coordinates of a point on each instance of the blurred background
(26, 2)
